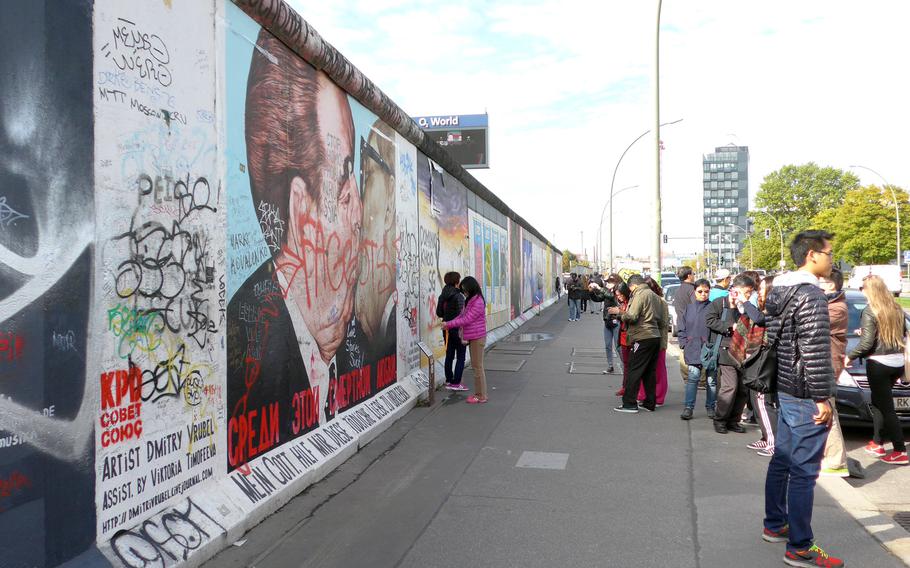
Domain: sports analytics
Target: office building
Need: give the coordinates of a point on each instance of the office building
(726, 201)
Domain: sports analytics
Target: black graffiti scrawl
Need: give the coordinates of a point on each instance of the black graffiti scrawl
(47, 502)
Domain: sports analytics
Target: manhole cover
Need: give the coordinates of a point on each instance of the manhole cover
(523, 337)
(502, 364)
(903, 519)
(586, 368)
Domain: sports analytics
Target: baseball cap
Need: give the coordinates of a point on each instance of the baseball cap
(721, 274)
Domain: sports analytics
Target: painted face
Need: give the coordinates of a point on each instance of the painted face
(329, 226)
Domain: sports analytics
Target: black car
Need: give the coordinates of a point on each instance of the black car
(853, 395)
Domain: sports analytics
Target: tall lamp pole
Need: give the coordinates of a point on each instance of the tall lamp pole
(603, 211)
(897, 210)
(656, 269)
(613, 182)
(751, 255)
(780, 231)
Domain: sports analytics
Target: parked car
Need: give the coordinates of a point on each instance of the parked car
(890, 273)
(668, 278)
(669, 292)
(853, 395)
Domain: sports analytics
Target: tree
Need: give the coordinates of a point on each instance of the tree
(794, 196)
(864, 226)
(568, 260)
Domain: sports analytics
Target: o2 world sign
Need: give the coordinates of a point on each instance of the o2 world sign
(464, 136)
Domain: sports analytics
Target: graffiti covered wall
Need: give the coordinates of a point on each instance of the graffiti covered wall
(312, 320)
(47, 246)
(159, 313)
(490, 255)
(215, 268)
(442, 240)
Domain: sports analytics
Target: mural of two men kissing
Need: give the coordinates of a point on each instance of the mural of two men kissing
(312, 326)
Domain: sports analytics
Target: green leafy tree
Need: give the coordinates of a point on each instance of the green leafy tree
(793, 196)
(864, 225)
(568, 259)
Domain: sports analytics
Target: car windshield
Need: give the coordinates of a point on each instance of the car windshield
(669, 291)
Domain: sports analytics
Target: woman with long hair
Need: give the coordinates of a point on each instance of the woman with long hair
(585, 293)
(664, 329)
(473, 324)
(623, 295)
(882, 345)
(606, 294)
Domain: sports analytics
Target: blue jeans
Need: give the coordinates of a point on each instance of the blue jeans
(790, 483)
(574, 310)
(611, 334)
(455, 351)
(692, 387)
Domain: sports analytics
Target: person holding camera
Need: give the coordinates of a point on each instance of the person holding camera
(720, 317)
(606, 295)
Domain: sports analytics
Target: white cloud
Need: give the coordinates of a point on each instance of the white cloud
(567, 86)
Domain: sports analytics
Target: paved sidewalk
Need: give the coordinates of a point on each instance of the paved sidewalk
(453, 485)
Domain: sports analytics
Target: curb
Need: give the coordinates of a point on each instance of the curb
(880, 526)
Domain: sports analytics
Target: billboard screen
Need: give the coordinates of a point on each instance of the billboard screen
(464, 136)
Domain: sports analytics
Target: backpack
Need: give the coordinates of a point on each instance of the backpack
(711, 351)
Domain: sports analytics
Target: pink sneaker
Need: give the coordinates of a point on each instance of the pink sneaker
(474, 399)
(874, 449)
(459, 387)
(896, 458)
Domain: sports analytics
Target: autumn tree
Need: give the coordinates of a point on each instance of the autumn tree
(790, 198)
(864, 225)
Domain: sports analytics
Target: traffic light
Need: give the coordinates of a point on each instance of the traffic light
(767, 234)
(665, 238)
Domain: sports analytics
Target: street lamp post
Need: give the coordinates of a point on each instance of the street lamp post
(897, 210)
(613, 181)
(658, 261)
(602, 212)
(780, 231)
(751, 255)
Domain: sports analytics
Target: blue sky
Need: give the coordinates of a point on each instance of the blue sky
(568, 85)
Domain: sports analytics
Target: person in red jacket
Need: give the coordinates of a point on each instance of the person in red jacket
(473, 324)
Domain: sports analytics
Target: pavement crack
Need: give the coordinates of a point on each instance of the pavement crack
(328, 497)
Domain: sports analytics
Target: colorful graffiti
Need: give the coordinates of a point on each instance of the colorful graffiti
(47, 480)
(442, 240)
(216, 270)
(160, 318)
(312, 328)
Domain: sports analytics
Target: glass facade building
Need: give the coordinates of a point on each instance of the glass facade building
(726, 201)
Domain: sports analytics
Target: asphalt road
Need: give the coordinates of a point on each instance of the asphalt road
(453, 486)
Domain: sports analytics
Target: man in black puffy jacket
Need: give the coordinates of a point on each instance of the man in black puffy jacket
(805, 382)
(448, 307)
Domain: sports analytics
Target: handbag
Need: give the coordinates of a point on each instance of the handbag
(760, 370)
(711, 351)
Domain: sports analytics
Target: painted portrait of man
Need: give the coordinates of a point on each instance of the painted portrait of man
(301, 324)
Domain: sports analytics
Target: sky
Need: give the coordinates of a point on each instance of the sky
(568, 85)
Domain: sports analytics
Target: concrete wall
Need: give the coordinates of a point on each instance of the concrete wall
(215, 266)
